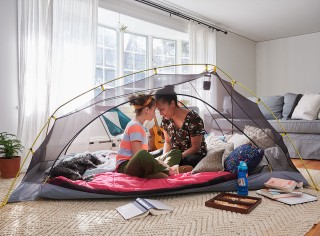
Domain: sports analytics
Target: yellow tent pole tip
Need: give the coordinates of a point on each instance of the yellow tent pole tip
(102, 87)
(155, 71)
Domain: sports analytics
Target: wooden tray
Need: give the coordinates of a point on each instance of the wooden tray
(234, 202)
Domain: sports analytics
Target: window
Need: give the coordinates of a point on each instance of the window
(106, 58)
(164, 53)
(140, 46)
(185, 56)
(135, 56)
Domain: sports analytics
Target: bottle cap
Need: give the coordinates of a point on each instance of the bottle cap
(242, 165)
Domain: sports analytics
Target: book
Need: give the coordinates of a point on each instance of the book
(141, 207)
(282, 184)
(292, 200)
(275, 194)
(297, 200)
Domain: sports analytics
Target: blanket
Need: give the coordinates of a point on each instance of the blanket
(112, 182)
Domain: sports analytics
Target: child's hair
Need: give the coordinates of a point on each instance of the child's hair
(167, 94)
(141, 101)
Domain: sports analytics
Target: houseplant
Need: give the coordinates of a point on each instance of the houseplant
(10, 147)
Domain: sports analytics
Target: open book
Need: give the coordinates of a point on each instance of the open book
(141, 207)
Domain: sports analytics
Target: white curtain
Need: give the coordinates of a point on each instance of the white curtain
(57, 42)
(202, 42)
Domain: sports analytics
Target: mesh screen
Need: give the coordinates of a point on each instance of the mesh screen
(223, 109)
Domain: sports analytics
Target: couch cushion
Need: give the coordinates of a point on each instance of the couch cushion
(297, 126)
(308, 107)
(275, 103)
(290, 102)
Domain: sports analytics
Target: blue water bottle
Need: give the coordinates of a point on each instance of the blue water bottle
(243, 178)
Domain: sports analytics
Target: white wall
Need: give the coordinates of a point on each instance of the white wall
(8, 66)
(236, 56)
(289, 65)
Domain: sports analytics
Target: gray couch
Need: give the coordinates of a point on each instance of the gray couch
(305, 134)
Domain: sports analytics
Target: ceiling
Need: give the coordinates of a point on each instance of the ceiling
(257, 20)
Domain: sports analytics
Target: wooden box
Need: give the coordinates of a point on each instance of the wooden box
(234, 202)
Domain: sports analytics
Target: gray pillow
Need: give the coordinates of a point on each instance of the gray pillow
(290, 102)
(275, 103)
(210, 163)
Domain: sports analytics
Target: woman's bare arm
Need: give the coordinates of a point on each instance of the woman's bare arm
(195, 146)
(167, 142)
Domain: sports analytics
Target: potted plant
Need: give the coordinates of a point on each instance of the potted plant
(10, 147)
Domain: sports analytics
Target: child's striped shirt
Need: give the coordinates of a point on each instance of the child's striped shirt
(134, 131)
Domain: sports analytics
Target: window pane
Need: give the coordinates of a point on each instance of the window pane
(164, 53)
(141, 43)
(139, 61)
(99, 76)
(106, 57)
(164, 47)
(99, 58)
(110, 38)
(110, 57)
(128, 79)
(128, 42)
(185, 49)
(109, 74)
(140, 76)
(135, 57)
(128, 60)
(100, 36)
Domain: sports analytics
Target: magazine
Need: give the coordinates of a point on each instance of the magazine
(282, 184)
(141, 207)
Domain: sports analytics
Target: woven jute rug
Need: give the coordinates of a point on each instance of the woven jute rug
(189, 217)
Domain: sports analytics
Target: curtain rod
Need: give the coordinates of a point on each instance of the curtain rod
(179, 14)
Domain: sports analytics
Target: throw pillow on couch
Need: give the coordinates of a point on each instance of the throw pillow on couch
(308, 107)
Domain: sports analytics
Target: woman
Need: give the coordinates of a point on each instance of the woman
(133, 158)
(183, 128)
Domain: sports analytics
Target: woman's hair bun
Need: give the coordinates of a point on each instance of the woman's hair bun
(169, 89)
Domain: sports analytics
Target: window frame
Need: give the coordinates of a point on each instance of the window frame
(149, 52)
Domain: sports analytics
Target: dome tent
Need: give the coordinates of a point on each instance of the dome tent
(67, 128)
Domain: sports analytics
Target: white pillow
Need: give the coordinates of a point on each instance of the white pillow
(308, 107)
(262, 137)
(215, 143)
(238, 140)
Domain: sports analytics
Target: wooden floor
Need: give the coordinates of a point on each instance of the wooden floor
(313, 165)
(310, 164)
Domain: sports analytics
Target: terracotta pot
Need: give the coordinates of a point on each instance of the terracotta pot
(9, 167)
